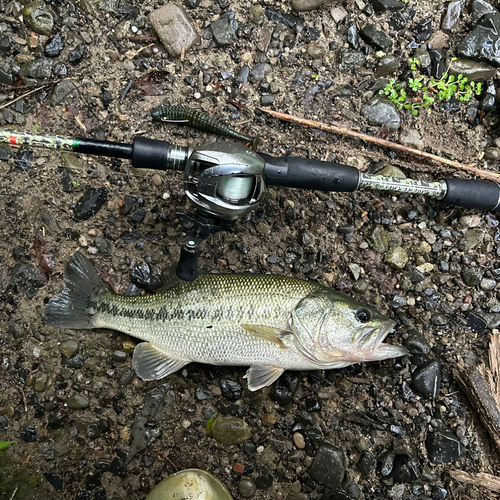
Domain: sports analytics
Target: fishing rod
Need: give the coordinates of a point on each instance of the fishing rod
(225, 180)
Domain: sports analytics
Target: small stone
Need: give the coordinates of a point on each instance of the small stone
(54, 47)
(367, 463)
(257, 14)
(40, 381)
(29, 434)
(299, 441)
(306, 5)
(328, 467)
(387, 462)
(417, 344)
(39, 17)
(69, 348)
(397, 257)
(361, 285)
(267, 100)
(405, 469)
(77, 54)
(39, 68)
(380, 112)
(157, 180)
(142, 275)
(246, 487)
(119, 356)
(412, 139)
(263, 228)
(377, 239)
(259, 71)
(63, 91)
(230, 389)
(174, 28)
(47, 451)
(443, 447)
(475, 71)
(90, 203)
(452, 15)
(488, 284)
(78, 402)
(385, 5)
(476, 323)
(426, 379)
(338, 14)
(224, 31)
(268, 419)
(230, 430)
(492, 154)
(285, 388)
(472, 276)
(387, 65)
(377, 38)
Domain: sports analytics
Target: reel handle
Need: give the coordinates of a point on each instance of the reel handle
(472, 193)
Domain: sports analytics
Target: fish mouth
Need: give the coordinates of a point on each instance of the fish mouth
(371, 344)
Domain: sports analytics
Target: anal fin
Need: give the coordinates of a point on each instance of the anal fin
(152, 364)
(262, 376)
(267, 333)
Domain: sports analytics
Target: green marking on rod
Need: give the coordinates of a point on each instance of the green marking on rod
(76, 144)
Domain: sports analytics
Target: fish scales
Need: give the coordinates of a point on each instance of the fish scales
(270, 323)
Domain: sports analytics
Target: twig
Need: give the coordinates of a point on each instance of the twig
(382, 142)
(20, 97)
(479, 479)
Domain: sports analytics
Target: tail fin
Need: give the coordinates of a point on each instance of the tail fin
(74, 306)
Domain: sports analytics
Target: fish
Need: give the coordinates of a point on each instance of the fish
(267, 322)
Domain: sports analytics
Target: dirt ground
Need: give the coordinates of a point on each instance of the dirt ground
(83, 453)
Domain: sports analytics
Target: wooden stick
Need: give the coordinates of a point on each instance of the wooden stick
(474, 382)
(478, 479)
(335, 129)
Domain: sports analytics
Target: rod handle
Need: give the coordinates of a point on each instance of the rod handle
(309, 174)
(472, 193)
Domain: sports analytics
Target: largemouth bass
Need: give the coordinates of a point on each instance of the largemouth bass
(270, 323)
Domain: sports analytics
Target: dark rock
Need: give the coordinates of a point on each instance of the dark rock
(24, 158)
(385, 5)
(230, 430)
(438, 63)
(483, 43)
(472, 276)
(54, 480)
(289, 20)
(243, 74)
(6, 79)
(264, 482)
(376, 38)
(443, 447)
(24, 278)
(417, 344)
(247, 488)
(138, 216)
(426, 379)
(380, 112)
(47, 451)
(63, 90)
(367, 463)
(29, 434)
(313, 405)
(119, 356)
(260, 71)
(39, 68)
(77, 54)
(90, 203)
(285, 388)
(76, 362)
(118, 467)
(479, 8)
(387, 65)
(439, 493)
(405, 469)
(126, 376)
(192, 4)
(476, 323)
(128, 204)
(202, 394)
(4, 154)
(452, 15)
(267, 100)
(144, 277)
(386, 461)
(39, 17)
(328, 467)
(103, 245)
(416, 276)
(78, 402)
(475, 71)
(353, 36)
(224, 31)
(54, 47)
(230, 389)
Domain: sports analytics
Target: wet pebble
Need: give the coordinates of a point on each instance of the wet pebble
(76, 55)
(78, 402)
(377, 38)
(488, 284)
(482, 44)
(39, 17)
(119, 356)
(377, 239)
(472, 276)
(224, 31)
(54, 47)
(230, 430)
(247, 488)
(380, 112)
(479, 8)
(387, 65)
(69, 348)
(476, 323)
(29, 434)
(25, 278)
(367, 463)
(142, 275)
(306, 5)
(406, 469)
(230, 389)
(417, 344)
(90, 203)
(452, 15)
(126, 376)
(443, 447)
(328, 467)
(426, 379)
(385, 5)
(285, 388)
(174, 28)
(492, 154)
(475, 71)
(39, 68)
(397, 257)
(299, 441)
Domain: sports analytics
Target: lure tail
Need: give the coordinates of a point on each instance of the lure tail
(74, 306)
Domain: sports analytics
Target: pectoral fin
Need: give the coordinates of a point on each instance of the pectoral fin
(262, 376)
(267, 333)
(151, 364)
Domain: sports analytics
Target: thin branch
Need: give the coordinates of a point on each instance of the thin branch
(478, 479)
(20, 97)
(382, 142)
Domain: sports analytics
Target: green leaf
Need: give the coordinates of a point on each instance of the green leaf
(414, 112)
(209, 424)
(4, 444)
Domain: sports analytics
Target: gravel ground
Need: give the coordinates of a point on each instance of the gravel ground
(84, 426)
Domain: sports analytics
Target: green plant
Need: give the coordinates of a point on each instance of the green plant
(4, 444)
(427, 90)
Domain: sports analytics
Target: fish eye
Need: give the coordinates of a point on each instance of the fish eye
(363, 315)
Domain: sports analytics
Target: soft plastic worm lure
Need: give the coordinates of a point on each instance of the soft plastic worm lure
(200, 121)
